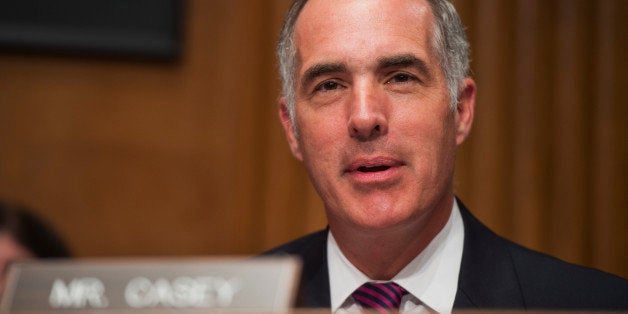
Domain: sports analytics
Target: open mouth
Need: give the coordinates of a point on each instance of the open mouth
(373, 168)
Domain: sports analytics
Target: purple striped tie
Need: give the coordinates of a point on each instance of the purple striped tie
(383, 297)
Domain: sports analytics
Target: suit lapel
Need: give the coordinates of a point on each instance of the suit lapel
(487, 276)
(314, 285)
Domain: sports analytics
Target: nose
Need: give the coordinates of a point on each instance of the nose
(367, 116)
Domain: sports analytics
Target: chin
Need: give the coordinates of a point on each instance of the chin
(381, 220)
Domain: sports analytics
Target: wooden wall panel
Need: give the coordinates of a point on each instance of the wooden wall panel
(131, 157)
(540, 156)
(528, 112)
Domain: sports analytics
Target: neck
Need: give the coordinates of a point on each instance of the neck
(381, 254)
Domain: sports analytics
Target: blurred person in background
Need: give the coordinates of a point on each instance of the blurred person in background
(25, 236)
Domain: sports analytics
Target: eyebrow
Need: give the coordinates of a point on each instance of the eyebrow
(321, 69)
(405, 60)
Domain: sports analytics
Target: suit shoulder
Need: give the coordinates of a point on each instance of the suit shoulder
(548, 281)
(301, 245)
(496, 272)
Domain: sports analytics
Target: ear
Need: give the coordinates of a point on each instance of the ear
(465, 110)
(288, 129)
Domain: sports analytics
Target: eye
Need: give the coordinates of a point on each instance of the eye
(327, 86)
(401, 78)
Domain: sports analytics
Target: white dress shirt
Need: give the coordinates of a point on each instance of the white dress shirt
(431, 278)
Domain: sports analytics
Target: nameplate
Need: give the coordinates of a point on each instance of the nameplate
(267, 284)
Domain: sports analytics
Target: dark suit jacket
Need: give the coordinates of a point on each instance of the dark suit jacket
(495, 273)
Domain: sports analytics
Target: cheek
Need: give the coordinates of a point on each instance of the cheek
(319, 131)
(429, 138)
(423, 129)
(320, 143)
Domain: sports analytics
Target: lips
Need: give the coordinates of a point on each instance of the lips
(374, 172)
(375, 164)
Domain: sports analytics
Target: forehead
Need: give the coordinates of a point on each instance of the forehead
(363, 29)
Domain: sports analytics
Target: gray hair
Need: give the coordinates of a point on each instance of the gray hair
(449, 42)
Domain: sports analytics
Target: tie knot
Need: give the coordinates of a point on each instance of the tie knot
(382, 296)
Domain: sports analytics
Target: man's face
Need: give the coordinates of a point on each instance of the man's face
(376, 133)
(10, 251)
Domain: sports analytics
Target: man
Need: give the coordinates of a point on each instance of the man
(376, 100)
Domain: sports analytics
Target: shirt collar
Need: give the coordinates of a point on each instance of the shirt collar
(431, 277)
